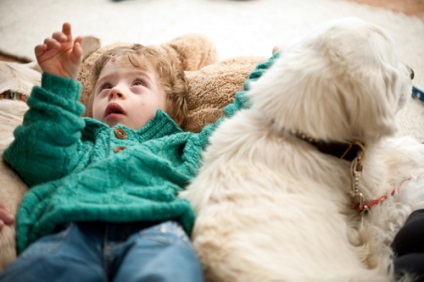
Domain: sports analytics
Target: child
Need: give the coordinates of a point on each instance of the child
(103, 201)
(86, 178)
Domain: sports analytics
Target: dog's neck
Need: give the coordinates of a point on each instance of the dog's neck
(345, 151)
(354, 152)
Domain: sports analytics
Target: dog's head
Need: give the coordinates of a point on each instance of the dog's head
(343, 81)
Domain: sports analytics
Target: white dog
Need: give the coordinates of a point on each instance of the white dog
(292, 189)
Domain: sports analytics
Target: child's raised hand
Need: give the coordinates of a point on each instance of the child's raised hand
(6, 217)
(60, 55)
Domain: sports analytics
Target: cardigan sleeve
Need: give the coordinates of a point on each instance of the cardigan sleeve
(47, 144)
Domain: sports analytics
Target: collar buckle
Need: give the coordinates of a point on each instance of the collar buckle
(356, 196)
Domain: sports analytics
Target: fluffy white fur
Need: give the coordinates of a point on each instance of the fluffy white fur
(271, 207)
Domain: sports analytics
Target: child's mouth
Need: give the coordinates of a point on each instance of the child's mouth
(114, 110)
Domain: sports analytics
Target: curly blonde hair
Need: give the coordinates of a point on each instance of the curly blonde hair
(170, 75)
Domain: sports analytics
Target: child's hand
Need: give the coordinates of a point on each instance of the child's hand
(6, 217)
(60, 55)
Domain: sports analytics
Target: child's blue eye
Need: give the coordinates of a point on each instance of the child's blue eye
(138, 83)
(106, 86)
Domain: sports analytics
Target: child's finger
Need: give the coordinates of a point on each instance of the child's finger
(79, 40)
(77, 50)
(51, 43)
(66, 29)
(39, 49)
(59, 36)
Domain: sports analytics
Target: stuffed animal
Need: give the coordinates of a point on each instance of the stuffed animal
(212, 85)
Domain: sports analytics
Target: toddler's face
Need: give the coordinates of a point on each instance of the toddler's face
(127, 95)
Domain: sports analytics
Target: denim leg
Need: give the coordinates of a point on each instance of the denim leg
(160, 253)
(69, 255)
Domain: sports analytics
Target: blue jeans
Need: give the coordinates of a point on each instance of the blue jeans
(109, 252)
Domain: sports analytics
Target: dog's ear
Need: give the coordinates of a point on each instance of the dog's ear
(335, 84)
(369, 98)
(374, 84)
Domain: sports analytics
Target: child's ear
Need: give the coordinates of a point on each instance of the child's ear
(192, 51)
(178, 120)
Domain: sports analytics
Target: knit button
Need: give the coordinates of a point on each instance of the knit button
(120, 133)
(119, 148)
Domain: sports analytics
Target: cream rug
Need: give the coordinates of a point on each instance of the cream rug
(237, 27)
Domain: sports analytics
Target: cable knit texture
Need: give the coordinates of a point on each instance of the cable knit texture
(76, 172)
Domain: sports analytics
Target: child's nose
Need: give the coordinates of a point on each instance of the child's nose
(116, 93)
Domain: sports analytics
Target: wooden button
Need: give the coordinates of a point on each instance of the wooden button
(119, 148)
(120, 133)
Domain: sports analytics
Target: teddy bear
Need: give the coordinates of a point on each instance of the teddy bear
(212, 85)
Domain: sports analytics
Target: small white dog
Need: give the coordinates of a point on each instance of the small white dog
(310, 183)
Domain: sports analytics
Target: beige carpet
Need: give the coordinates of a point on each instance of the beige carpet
(237, 27)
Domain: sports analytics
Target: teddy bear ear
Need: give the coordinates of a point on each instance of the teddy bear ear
(193, 51)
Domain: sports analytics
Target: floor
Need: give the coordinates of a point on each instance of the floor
(408, 7)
